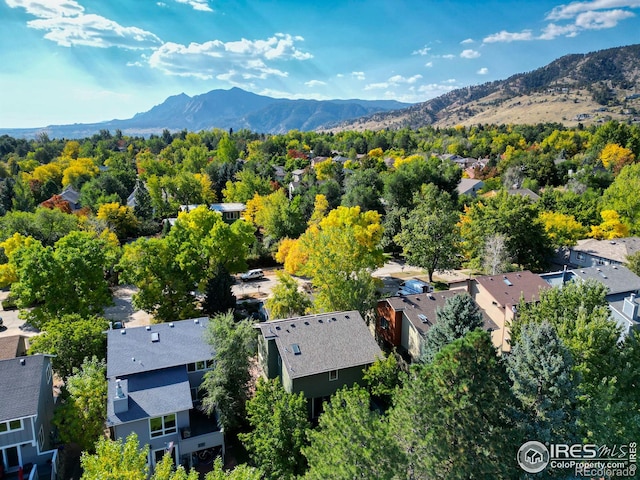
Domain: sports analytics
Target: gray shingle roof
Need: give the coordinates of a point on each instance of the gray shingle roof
(20, 386)
(617, 249)
(179, 343)
(151, 394)
(427, 304)
(330, 341)
(616, 278)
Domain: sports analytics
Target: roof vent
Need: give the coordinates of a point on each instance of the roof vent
(155, 337)
(296, 349)
(293, 325)
(171, 324)
(306, 323)
(423, 318)
(22, 361)
(148, 327)
(319, 320)
(347, 317)
(333, 319)
(507, 281)
(196, 321)
(123, 331)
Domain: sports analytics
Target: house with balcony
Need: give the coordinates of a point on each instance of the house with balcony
(154, 374)
(317, 354)
(26, 409)
(403, 321)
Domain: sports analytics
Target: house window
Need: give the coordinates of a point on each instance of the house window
(161, 426)
(601, 261)
(11, 457)
(200, 366)
(11, 426)
(384, 324)
(333, 375)
(161, 452)
(580, 256)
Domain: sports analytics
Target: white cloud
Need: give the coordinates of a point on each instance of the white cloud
(483, 71)
(448, 56)
(428, 64)
(65, 23)
(552, 31)
(469, 54)
(200, 5)
(358, 75)
(161, 4)
(422, 51)
(237, 61)
(600, 20)
(572, 10)
(467, 41)
(393, 82)
(507, 37)
(315, 83)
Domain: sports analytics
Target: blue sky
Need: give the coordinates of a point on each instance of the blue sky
(80, 61)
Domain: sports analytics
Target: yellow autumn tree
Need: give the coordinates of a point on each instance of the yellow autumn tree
(563, 230)
(8, 272)
(327, 169)
(610, 228)
(119, 218)
(79, 171)
(338, 254)
(615, 157)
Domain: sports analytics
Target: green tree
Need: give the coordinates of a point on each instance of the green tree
(119, 218)
(364, 188)
(71, 339)
(623, 196)
(543, 378)
(165, 470)
(633, 262)
(459, 315)
(218, 296)
(246, 185)
(226, 386)
(279, 428)
(383, 378)
(164, 289)
(115, 460)
(279, 217)
(450, 433)
(429, 235)
(351, 440)
(240, 472)
(227, 151)
(81, 416)
(513, 216)
(68, 278)
(143, 208)
(286, 299)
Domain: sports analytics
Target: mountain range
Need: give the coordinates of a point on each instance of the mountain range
(578, 88)
(234, 108)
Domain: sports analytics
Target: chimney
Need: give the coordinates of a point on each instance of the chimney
(630, 307)
(120, 401)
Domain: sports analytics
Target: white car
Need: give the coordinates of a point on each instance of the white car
(255, 274)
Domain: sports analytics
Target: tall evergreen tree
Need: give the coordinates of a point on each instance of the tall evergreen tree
(143, 208)
(455, 418)
(458, 316)
(219, 297)
(351, 441)
(541, 369)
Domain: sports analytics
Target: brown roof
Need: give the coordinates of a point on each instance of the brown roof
(508, 288)
(10, 347)
(423, 306)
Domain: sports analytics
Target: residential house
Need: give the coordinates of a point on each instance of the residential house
(469, 186)
(403, 321)
(499, 296)
(317, 354)
(230, 211)
(26, 409)
(592, 252)
(623, 287)
(13, 346)
(154, 374)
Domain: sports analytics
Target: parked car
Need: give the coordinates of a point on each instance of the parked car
(255, 274)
